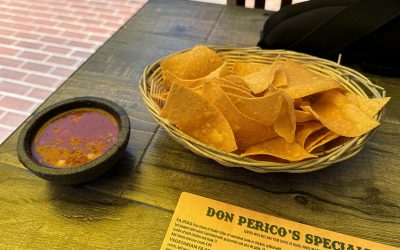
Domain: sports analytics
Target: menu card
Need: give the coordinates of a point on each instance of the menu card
(204, 224)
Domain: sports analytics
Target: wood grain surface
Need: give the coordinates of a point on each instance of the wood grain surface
(131, 205)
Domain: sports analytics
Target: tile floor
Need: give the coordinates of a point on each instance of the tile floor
(42, 42)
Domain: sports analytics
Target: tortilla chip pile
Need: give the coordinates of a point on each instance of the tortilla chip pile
(282, 112)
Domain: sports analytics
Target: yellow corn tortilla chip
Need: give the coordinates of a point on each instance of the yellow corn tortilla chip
(193, 64)
(231, 89)
(304, 130)
(169, 78)
(320, 138)
(338, 114)
(369, 106)
(246, 68)
(247, 131)
(161, 96)
(280, 79)
(262, 109)
(279, 148)
(303, 82)
(303, 116)
(198, 118)
(229, 81)
(237, 80)
(285, 124)
(261, 80)
(235, 91)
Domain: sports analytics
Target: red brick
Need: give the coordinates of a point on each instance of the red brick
(99, 38)
(11, 74)
(29, 45)
(42, 14)
(62, 72)
(125, 14)
(33, 55)
(37, 67)
(12, 119)
(42, 80)
(80, 35)
(40, 94)
(57, 50)
(45, 22)
(23, 27)
(110, 18)
(18, 11)
(113, 25)
(82, 54)
(16, 103)
(48, 31)
(10, 62)
(16, 4)
(27, 35)
(98, 30)
(22, 19)
(63, 60)
(6, 32)
(8, 51)
(7, 41)
(4, 134)
(84, 13)
(39, 8)
(90, 21)
(6, 24)
(103, 10)
(14, 88)
(66, 18)
(80, 7)
(81, 44)
(70, 26)
(53, 40)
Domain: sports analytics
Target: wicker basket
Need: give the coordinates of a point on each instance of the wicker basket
(151, 82)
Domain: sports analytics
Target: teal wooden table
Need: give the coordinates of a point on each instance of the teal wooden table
(131, 206)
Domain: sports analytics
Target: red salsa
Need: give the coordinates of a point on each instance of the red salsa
(75, 137)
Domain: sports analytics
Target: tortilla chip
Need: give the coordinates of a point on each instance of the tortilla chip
(169, 78)
(279, 148)
(230, 81)
(303, 116)
(247, 131)
(369, 106)
(300, 102)
(280, 79)
(193, 64)
(161, 96)
(285, 124)
(304, 130)
(261, 80)
(246, 68)
(237, 80)
(235, 91)
(262, 109)
(198, 118)
(320, 138)
(304, 82)
(341, 116)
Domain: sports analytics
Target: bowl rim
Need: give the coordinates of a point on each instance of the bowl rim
(37, 120)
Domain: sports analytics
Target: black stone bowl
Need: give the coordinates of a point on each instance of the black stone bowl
(82, 173)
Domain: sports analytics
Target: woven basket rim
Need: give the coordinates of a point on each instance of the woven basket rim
(341, 73)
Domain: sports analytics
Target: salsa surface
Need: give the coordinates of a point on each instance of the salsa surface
(75, 137)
